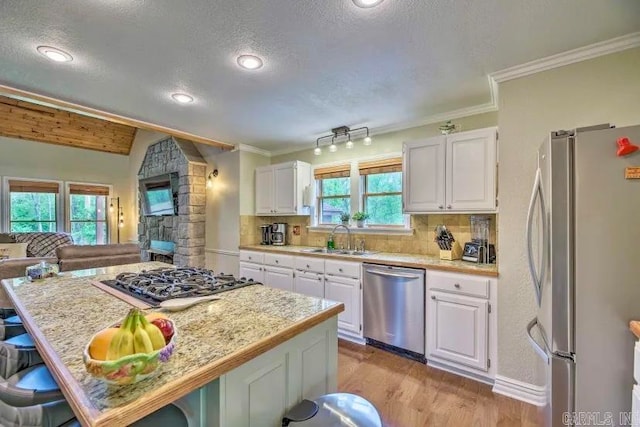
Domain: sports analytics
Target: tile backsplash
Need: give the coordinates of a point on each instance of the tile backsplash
(420, 242)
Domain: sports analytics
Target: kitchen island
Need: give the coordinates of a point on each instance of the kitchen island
(239, 361)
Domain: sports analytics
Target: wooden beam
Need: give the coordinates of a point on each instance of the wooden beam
(24, 120)
(110, 117)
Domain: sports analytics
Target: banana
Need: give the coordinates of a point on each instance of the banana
(122, 342)
(141, 341)
(155, 335)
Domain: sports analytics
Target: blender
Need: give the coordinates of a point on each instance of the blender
(479, 249)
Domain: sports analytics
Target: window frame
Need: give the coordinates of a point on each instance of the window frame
(363, 201)
(67, 205)
(320, 198)
(6, 201)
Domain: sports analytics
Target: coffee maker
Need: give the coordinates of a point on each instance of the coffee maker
(265, 234)
(279, 234)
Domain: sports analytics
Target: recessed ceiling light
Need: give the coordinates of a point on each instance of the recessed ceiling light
(182, 98)
(54, 54)
(250, 62)
(367, 3)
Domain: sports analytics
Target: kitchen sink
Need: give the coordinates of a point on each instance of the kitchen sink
(336, 252)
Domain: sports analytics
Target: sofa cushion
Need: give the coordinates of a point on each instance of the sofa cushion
(6, 238)
(13, 250)
(43, 244)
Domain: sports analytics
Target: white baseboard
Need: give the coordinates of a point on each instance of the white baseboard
(348, 337)
(461, 372)
(525, 392)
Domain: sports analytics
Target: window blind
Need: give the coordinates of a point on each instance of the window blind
(20, 186)
(337, 171)
(381, 166)
(89, 190)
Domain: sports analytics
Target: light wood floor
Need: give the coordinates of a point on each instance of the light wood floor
(408, 393)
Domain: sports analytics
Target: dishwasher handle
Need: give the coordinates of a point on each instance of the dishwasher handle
(395, 275)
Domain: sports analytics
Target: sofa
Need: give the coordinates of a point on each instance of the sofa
(40, 247)
(79, 257)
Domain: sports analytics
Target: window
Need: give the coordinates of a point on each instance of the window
(334, 193)
(33, 206)
(382, 191)
(88, 214)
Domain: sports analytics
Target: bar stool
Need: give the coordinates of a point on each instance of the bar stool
(24, 379)
(333, 410)
(52, 414)
(11, 330)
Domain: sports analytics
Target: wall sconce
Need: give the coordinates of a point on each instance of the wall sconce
(338, 132)
(120, 210)
(212, 174)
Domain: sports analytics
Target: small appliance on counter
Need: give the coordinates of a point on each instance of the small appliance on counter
(479, 250)
(279, 234)
(265, 234)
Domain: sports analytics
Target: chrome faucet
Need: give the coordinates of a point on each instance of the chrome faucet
(348, 234)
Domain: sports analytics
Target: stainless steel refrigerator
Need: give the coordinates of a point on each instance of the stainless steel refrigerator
(583, 245)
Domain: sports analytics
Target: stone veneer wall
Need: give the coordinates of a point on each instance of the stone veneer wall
(420, 242)
(187, 229)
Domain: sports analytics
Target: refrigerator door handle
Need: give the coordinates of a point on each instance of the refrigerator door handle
(536, 195)
(538, 349)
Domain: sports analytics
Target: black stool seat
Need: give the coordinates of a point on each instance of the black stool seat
(21, 341)
(31, 386)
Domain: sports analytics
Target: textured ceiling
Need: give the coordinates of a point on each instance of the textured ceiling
(327, 62)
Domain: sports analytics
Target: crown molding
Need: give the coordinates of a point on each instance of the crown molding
(584, 53)
(252, 149)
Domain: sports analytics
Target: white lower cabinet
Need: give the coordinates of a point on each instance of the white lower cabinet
(259, 392)
(311, 284)
(458, 329)
(461, 325)
(276, 277)
(252, 271)
(347, 291)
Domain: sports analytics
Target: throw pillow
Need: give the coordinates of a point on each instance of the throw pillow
(13, 250)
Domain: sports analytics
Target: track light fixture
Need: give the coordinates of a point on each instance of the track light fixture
(337, 134)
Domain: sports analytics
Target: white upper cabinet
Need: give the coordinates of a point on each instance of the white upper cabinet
(471, 170)
(279, 188)
(452, 173)
(423, 174)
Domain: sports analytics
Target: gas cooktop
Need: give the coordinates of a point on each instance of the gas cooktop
(160, 284)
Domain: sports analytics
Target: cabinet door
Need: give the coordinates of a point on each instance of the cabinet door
(284, 189)
(281, 278)
(309, 284)
(346, 291)
(471, 170)
(252, 271)
(457, 329)
(264, 190)
(423, 175)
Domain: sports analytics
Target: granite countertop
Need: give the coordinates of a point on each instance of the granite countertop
(68, 310)
(634, 325)
(400, 259)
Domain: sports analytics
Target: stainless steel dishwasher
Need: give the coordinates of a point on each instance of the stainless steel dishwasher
(393, 299)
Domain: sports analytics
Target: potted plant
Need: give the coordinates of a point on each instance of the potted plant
(360, 217)
(344, 217)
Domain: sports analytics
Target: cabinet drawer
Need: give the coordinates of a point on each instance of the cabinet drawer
(342, 268)
(249, 256)
(458, 284)
(636, 362)
(279, 260)
(310, 264)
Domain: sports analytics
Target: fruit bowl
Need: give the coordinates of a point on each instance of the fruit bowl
(128, 369)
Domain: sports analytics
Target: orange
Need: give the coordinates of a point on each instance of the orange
(100, 343)
(155, 315)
